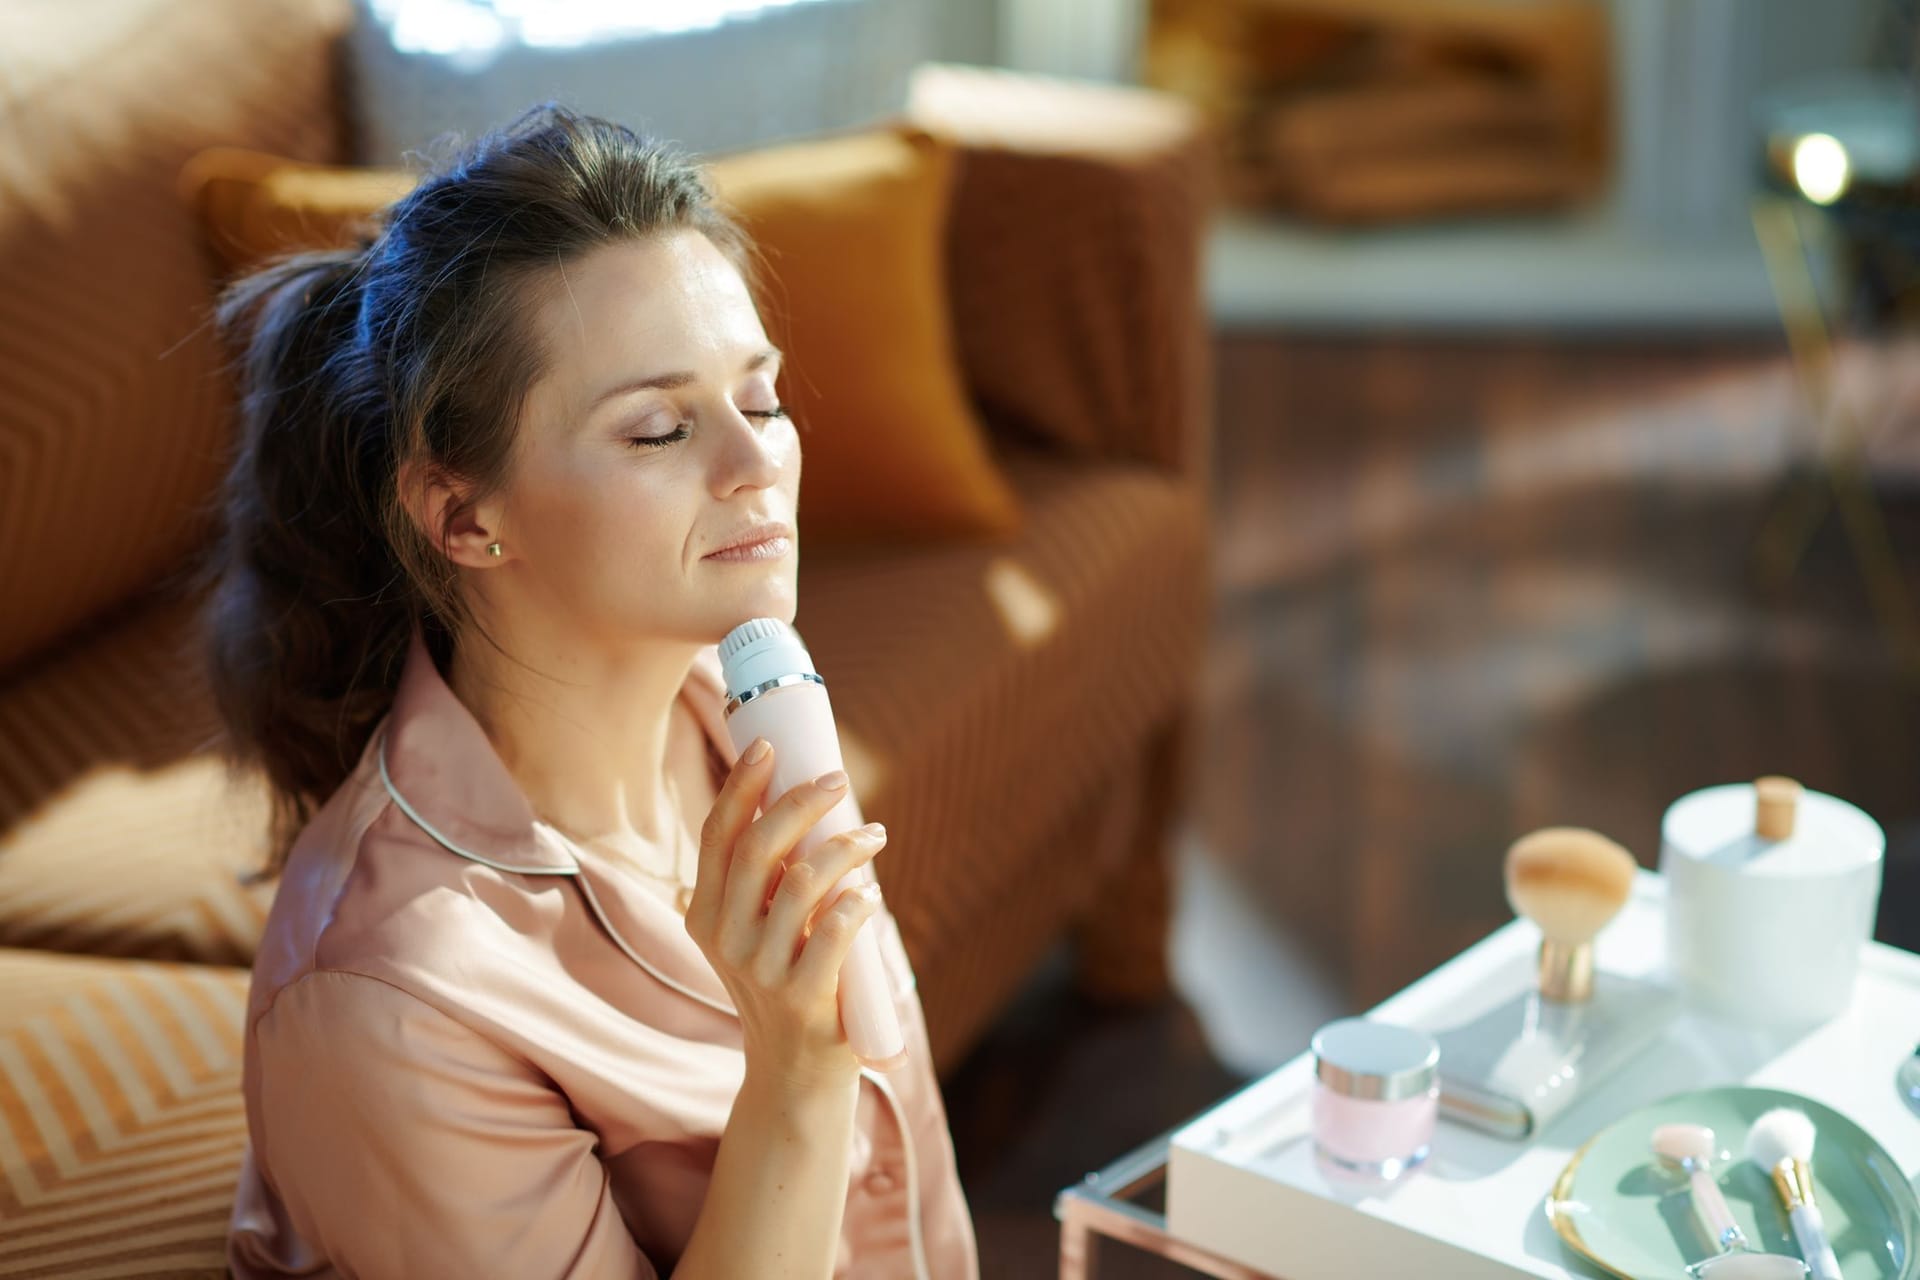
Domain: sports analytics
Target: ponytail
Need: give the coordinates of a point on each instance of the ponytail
(304, 635)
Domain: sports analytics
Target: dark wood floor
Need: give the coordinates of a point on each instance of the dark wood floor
(1466, 588)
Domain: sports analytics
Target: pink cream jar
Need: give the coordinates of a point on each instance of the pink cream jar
(1376, 1092)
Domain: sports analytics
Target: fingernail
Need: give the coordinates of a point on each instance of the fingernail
(832, 781)
(874, 829)
(757, 751)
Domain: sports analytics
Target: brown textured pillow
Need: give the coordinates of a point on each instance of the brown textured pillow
(852, 230)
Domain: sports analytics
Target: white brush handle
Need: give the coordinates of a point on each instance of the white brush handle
(1811, 1232)
(1712, 1207)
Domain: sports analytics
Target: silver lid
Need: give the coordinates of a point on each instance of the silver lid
(1361, 1058)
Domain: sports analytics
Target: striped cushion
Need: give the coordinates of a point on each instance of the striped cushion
(1074, 259)
(111, 416)
(121, 1122)
(118, 834)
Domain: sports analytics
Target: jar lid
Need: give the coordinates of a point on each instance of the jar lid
(1717, 825)
(1361, 1058)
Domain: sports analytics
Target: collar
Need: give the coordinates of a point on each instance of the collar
(443, 771)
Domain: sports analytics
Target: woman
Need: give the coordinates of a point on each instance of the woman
(536, 996)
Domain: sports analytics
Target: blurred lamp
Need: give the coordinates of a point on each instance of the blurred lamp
(1848, 138)
(1820, 167)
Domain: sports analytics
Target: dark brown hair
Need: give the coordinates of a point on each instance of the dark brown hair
(414, 347)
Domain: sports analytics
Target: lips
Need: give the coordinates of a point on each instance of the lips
(763, 531)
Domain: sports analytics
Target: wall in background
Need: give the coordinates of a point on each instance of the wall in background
(967, 31)
(1687, 75)
(1084, 39)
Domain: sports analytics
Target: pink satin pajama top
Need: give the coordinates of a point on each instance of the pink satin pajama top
(474, 1048)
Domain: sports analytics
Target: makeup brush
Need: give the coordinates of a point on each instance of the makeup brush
(1781, 1143)
(1570, 882)
(1690, 1149)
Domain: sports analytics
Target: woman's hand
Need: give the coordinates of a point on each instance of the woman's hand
(755, 922)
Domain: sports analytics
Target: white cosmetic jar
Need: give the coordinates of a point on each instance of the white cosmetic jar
(1767, 928)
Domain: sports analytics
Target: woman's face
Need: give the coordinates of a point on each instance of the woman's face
(613, 532)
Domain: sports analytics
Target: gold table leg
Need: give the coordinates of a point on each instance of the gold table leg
(1843, 477)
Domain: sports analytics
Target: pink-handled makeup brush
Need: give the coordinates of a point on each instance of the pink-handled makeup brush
(1690, 1149)
(1781, 1143)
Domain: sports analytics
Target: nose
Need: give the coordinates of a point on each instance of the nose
(752, 450)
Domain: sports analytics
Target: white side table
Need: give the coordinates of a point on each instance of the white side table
(1245, 1200)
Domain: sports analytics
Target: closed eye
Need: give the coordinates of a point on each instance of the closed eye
(681, 433)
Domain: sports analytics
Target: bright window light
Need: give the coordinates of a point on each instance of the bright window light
(471, 27)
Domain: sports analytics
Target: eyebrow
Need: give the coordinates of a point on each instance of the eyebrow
(679, 378)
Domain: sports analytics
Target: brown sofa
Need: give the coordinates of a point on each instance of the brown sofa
(1024, 721)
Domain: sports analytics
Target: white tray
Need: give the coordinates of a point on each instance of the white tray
(1242, 1181)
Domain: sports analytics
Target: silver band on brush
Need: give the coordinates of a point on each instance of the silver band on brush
(767, 685)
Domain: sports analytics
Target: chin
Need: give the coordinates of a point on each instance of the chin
(774, 598)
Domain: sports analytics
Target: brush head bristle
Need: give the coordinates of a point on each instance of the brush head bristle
(1781, 1134)
(1570, 881)
(1684, 1142)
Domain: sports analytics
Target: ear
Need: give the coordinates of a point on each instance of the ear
(435, 502)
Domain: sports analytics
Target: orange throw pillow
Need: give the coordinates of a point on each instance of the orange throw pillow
(852, 233)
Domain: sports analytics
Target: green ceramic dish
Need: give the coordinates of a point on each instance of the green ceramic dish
(1617, 1207)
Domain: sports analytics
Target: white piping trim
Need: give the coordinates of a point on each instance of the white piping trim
(914, 1234)
(586, 887)
(427, 827)
(913, 1173)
